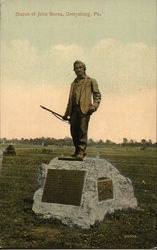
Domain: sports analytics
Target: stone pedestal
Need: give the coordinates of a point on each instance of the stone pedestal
(81, 193)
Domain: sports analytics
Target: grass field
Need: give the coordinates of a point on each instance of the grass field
(21, 228)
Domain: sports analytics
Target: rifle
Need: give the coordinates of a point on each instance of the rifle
(60, 117)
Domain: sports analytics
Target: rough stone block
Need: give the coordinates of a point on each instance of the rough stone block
(100, 189)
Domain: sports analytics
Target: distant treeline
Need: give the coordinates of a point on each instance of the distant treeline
(67, 141)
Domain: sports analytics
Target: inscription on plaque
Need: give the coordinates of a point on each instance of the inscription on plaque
(64, 186)
(105, 188)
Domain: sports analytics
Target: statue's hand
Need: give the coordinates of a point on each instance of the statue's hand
(91, 110)
(65, 117)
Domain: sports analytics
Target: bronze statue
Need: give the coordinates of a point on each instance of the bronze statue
(84, 99)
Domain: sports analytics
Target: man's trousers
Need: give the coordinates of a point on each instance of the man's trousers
(79, 129)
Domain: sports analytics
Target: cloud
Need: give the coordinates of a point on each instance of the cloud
(125, 66)
(118, 67)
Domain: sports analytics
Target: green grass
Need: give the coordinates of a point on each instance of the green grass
(21, 228)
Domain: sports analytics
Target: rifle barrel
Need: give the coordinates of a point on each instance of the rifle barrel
(46, 108)
(51, 111)
(54, 113)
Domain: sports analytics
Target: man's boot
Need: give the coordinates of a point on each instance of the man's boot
(75, 153)
(80, 155)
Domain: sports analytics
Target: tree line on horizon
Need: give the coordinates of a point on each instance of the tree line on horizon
(67, 141)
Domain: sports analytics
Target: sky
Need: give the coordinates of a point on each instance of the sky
(116, 41)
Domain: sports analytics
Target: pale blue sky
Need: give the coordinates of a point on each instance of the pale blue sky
(125, 20)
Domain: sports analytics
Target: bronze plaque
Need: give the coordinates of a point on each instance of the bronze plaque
(64, 186)
(105, 188)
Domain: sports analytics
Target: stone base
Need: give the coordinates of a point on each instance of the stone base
(69, 158)
(104, 191)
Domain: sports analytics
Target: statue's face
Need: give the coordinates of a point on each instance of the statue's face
(79, 69)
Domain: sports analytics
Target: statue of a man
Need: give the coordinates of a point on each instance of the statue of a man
(84, 99)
